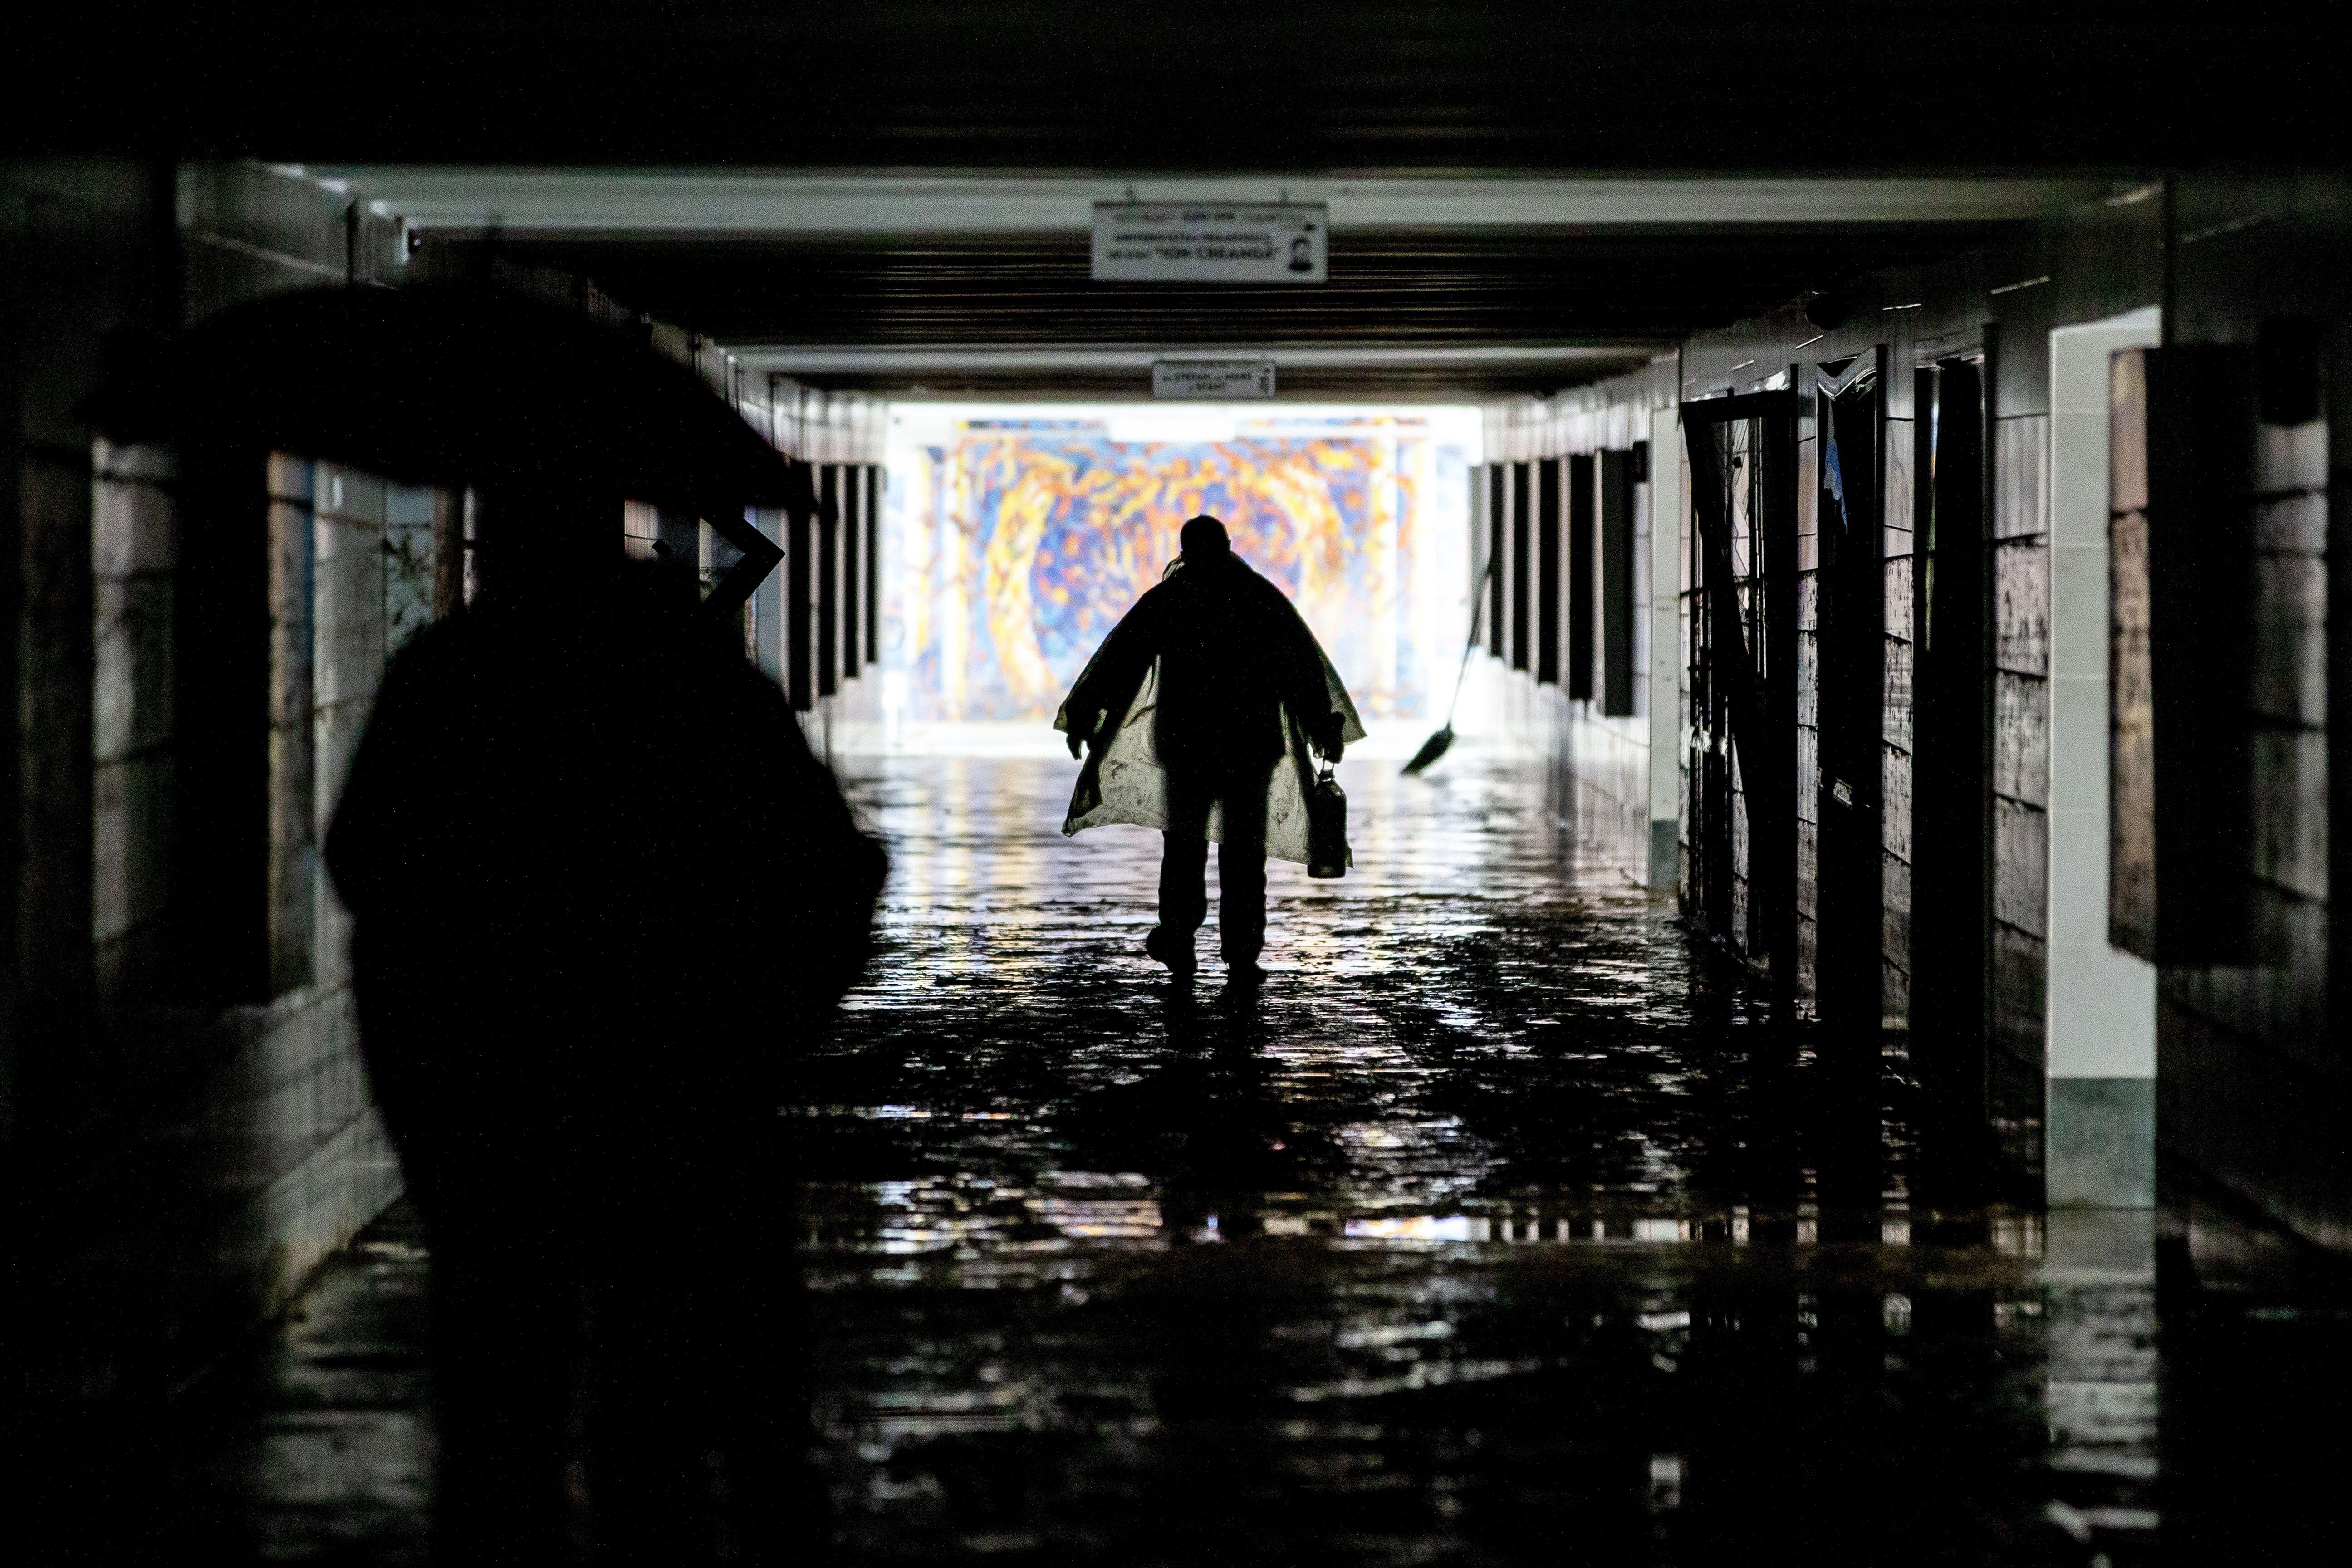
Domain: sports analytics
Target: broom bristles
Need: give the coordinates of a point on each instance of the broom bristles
(1431, 750)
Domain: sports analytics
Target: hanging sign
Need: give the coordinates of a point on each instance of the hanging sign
(1210, 242)
(1212, 380)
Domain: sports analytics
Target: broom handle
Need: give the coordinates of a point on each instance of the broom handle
(1477, 612)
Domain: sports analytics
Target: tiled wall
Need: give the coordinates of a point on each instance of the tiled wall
(2253, 1080)
(1745, 555)
(242, 1147)
(2256, 1038)
(2085, 266)
(1894, 731)
(79, 267)
(2018, 949)
(349, 627)
(1597, 777)
(1600, 779)
(134, 573)
(1809, 705)
(411, 563)
(194, 1162)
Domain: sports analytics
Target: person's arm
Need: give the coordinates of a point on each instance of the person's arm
(819, 874)
(1305, 691)
(391, 802)
(1108, 682)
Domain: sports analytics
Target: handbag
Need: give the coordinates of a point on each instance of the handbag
(1327, 856)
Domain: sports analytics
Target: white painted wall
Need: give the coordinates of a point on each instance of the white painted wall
(1665, 637)
(2102, 1001)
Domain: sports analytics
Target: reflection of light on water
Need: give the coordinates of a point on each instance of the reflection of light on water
(1414, 1376)
(934, 1412)
(1093, 1218)
(1410, 1242)
(1421, 1227)
(1129, 1212)
(2100, 1391)
(1382, 1336)
(1665, 1482)
(2017, 1234)
(960, 1213)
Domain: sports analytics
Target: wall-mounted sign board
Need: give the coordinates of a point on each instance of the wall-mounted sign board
(1210, 242)
(1212, 380)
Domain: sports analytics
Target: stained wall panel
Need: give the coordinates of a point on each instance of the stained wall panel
(1522, 566)
(1548, 594)
(2021, 739)
(1498, 557)
(2020, 566)
(827, 568)
(1809, 678)
(1580, 532)
(1614, 585)
(800, 605)
(852, 551)
(877, 487)
(2186, 574)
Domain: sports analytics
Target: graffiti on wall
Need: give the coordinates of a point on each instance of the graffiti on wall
(1018, 545)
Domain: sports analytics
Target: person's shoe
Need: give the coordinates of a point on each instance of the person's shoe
(1179, 959)
(1246, 972)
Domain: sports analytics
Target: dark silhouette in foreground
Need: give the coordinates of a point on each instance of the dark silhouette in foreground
(601, 889)
(1239, 687)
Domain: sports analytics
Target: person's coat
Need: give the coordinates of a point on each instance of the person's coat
(599, 885)
(1214, 670)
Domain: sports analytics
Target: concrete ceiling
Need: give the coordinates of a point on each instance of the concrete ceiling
(1326, 86)
(971, 285)
(956, 147)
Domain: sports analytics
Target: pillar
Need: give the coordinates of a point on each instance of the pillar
(1666, 646)
(2099, 1120)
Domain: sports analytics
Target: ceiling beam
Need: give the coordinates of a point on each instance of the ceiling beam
(1013, 359)
(701, 202)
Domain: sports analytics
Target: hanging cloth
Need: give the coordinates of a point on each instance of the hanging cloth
(1123, 780)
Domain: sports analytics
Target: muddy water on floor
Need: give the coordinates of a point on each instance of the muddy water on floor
(1498, 1227)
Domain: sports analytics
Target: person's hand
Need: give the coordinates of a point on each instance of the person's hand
(1327, 737)
(1076, 744)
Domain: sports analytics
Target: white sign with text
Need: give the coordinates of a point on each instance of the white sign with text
(1212, 380)
(1210, 242)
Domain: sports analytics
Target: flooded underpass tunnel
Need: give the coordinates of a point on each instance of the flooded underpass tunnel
(1488, 1227)
(1502, 1224)
(1467, 784)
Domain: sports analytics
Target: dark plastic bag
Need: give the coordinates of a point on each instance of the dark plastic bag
(1328, 855)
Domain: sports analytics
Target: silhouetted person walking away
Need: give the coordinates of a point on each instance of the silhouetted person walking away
(1234, 686)
(601, 891)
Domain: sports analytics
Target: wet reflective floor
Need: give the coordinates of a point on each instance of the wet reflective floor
(1502, 1225)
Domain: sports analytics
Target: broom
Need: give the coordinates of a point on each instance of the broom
(1437, 745)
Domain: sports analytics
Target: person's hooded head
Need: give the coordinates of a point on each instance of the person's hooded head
(552, 550)
(1204, 541)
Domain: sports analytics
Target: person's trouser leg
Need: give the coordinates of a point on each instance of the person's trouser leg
(1185, 860)
(699, 1357)
(1241, 867)
(504, 1313)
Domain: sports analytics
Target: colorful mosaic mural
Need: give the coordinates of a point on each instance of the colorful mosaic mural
(1016, 545)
